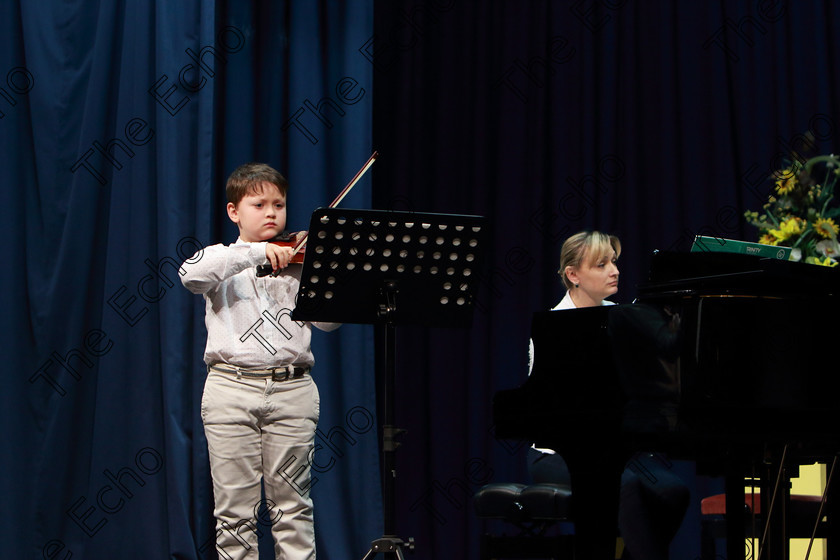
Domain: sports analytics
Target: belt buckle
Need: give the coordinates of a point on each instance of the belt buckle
(280, 376)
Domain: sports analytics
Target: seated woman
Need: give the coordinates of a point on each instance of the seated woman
(652, 504)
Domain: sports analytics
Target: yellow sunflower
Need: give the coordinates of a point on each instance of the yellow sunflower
(825, 227)
(787, 229)
(786, 182)
(768, 239)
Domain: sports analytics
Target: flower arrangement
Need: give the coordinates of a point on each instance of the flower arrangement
(799, 213)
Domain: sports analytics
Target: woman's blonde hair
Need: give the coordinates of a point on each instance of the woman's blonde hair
(590, 245)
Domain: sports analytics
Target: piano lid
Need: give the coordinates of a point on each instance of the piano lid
(609, 368)
(674, 273)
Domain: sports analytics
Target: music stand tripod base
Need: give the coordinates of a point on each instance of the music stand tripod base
(389, 546)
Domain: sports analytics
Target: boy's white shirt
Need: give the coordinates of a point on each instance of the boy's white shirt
(248, 319)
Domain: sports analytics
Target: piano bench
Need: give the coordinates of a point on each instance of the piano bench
(533, 510)
(803, 513)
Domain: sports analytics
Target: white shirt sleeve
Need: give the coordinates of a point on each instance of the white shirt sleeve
(212, 265)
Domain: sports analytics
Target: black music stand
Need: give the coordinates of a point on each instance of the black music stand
(388, 268)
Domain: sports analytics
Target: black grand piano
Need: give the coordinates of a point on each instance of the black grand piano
(726, 359)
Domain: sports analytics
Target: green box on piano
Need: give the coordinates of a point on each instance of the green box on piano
(704, 243)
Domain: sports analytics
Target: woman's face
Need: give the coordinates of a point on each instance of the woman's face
(598, 279)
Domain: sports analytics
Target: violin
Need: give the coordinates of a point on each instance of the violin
(290, 239)
(286, 239)
(297, 240)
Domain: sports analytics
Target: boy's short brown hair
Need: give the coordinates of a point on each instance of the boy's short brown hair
(247, 178)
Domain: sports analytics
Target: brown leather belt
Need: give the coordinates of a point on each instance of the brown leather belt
(279, 373)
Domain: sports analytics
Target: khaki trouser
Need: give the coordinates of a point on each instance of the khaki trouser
(261, 429)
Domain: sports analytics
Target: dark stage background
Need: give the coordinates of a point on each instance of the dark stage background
(654, 121)
(119, 123)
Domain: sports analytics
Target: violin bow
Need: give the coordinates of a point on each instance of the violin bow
(302, 241)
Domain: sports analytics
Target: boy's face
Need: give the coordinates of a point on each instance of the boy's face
(261, 214)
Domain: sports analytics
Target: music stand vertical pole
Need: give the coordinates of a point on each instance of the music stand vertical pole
(389, 444)
(390, 544)
(389, 432)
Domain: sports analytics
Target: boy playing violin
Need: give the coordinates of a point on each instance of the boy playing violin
(260, 405)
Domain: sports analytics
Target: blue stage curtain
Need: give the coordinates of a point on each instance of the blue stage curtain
(119, 123)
